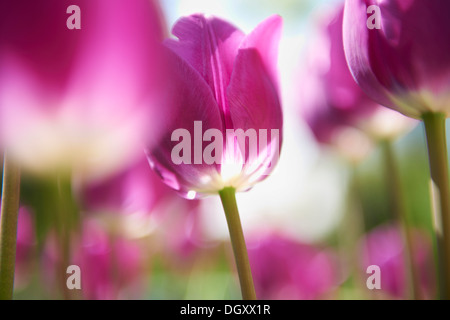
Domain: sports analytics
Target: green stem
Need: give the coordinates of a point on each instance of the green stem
(228, 197)
(67, 219)
(398, 207)
(437, 152)
(8, 235)
(351, 229)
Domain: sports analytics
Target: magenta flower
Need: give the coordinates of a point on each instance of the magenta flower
(225, 91)
(404, 64)
(331, 98)
(138, 201)
(79, 99)
(111, 266)
(26, 242)
(333, 105)
(25, 248)
(136, 189)
(384, 247)
(398, 53)
(288, 270)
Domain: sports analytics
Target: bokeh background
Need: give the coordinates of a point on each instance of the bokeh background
(303, 224)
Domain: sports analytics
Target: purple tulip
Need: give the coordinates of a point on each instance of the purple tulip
(79, 99)
(384, 247)
(143, 205)
(333, 105)
(25, 247)
(111, 266)
(26, 242)
(136, 189)
(223, 81)
(286, 269)
(399, 53)
(331, 99)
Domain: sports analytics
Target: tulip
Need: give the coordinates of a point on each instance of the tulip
(136, 203)
(135, 189)
(223, 80)
(79, 83)
(404, 65)
(334, 107)
(340, 114)
(225, 93)
(26, 241)
(397, 52)
(287, 269)
(384, 247)
(79, 100)
(111, 266)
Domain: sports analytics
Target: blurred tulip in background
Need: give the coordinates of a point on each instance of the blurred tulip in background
(285, 269)
(112, 266)
(336, 109)
(402, 62)
(404, 65)
(384, 247)
(80, 101)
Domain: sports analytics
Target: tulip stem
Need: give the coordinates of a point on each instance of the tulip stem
(397, 204)
(228, 197)
(67, 220)
(438, 158)
(8, 229)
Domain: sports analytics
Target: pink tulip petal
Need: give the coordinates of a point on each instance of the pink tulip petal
(330, 98)
(192, 101)
(286, 269)
(136, 189)
(355, 37)
(119, 76)
(384, 247)
(210, 46)
(408, 54)
(35, 33)
(265, 39)
(253, 94)
(82, 100)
